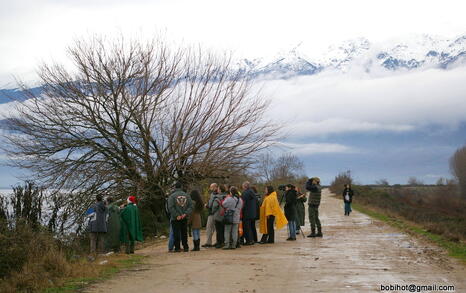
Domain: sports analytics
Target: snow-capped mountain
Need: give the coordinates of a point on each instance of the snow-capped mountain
(415, 52)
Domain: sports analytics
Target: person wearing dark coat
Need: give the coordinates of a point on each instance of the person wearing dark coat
(315, 194)
(347, 198)
(290, 210)
(301, 211)
(98, 225)
(249, 213)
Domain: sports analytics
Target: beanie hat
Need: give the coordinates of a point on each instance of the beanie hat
(132, 199)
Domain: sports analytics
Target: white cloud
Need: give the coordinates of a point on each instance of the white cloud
(315, 148)
(336, 103)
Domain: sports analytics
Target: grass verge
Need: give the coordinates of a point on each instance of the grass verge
(455, 249)
(115, 264)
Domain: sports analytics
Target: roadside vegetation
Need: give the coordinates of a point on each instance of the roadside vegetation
(435, 212)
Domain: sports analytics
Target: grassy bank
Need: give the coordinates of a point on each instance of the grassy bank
(456, 249)
(114, 265)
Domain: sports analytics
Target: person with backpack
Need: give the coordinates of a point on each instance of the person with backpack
(195, 219)
(315, 194)
(130, 225)
(97, 225)
(232, 208)
(269, 212)
(210, 226)
(249, 213)
(217, 211)
(347, 198)
(180, 206)
(290, 210)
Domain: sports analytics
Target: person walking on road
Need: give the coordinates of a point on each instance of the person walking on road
(210, 226)
(269, 212)
(347, 198)
(315, 194)
(195, 218)
(180, 206)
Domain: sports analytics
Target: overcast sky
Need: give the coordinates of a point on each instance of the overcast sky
(392, 126)
(32, 31)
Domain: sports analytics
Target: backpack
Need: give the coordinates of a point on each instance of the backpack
(229, 214)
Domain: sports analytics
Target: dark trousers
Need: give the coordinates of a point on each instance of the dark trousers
(270, 236)
(220, 230)
(180, 232)
(254, 231)
(248, 229)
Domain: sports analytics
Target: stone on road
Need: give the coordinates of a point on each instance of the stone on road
(356, 254)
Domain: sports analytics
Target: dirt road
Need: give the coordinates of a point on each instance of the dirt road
(356, 254)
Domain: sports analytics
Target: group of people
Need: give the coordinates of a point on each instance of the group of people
(232, 215)
(110, 225)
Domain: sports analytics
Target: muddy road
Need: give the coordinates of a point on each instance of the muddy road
(356, 254)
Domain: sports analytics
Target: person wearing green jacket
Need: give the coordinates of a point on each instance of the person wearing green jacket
(315, 194)
(112, 239)
(130, 225)
(180, 206)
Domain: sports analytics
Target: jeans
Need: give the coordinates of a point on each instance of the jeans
(292, 228)
(231, 235)
(180, 231)
(220, 229)
(171, 238)
(210, 229)
(196, 234)
(347, 208)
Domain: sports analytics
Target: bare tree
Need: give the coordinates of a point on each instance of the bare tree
(458, 168)
(382, 182)
(284, 168)
(135, 116)
(413, 181)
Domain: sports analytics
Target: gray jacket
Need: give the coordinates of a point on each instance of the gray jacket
(179, 203)
(217, 208)
(230, 203)
(211, 202)
(98, 221)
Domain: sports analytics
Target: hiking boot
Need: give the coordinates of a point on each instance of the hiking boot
(218, 245)
(186, 249)
(177, 250)
(319, 234)
(312, 235)
(207, 245)
(196, 245)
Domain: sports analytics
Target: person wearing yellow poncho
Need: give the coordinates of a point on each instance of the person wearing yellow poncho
(269, 212)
